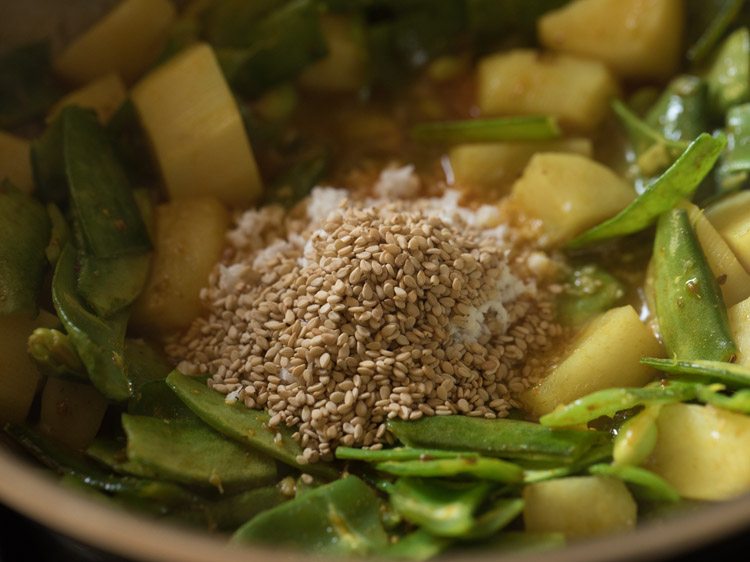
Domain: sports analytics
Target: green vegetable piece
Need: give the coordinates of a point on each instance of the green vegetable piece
(505, 438)
(730, 375)
(445, 509)
(738, 402)
(156, 399)
(490, 22)
(480, 468)
(283, 44)
(131, 145)
(104, 207)
(399, 454)
(609, 401)
(55, 356)
(297, 182)
(596, 455)
(59, 235)
(112, 453)
(230, 513)
(24, 233)
(229, 23)
(646, 484)
(517, 542)
(735, 162)
(678, 182)
(588, 291)
(338, 518)
(145, 363)
(707, 22)
(500, 514)
(27, 85)
(418, 545)
(66, 461)
(636, 438)
(48, 164)
(488, 130)
(100, 343)
(242, 424)
(111, 284)
(729, 75)
(681, 112)
(646, 136)
(689, 307)
(191, 453)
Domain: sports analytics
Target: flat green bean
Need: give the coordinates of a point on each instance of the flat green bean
(54, 355)
(731, 375)
(498, 516)
(729, 74)
(481, 468)
(418, 545)
(646, 484)
(636, 437)
(735, 162)
(399, 454)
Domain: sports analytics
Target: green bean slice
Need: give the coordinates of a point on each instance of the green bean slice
(646, 484)
(481, 468)
(731, 375)
(399, 454)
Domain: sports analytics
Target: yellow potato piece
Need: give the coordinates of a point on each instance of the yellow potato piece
(739, 321)
(487, 170)
(19, 377)
(15, 162)
(580, 506)
(104, 95)
(196, 131)
(71, 412)
(570, 193)
(188, 243)
(639, 39)
(731, 218)
(526, 82)
(605, 354)
(702, 451)
(126, 41)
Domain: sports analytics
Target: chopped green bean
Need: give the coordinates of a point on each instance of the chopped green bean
(499, 515)
(729, 75)
(59, 234)
(145, 363)
(735, 162)
(156, 399)
(689, 307)
(678, 182)
(738, 402)
(681, 112)
(418, 545)
(505, 438)
(636, 437)
(112, 453)
(481, 468)
(730, 375)
(54, 355)
(337, 518)
(488, 130)
(646, 484)
(399, 454)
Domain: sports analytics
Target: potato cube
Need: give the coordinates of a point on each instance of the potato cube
(15, 162)
(702, 451)
(126, 41)
(71, 412)
(104, 95)
(640, 39)
(732, 277)
(605, 354)
(196, 131)
(19, 377)
(739, 320)
(731, 218)
(486, 171)
(188, 243)
(527, 82)
(580, 506)
(570, 193)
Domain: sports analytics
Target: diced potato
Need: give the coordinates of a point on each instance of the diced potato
(344, 69)
(19, 377)
(731, 218)
(733, 278)
(640, 39)
(104, 95)
(605, 354)
(196, 131)
(739, 321)
(15, 162)
(580, 506)
(188, 243)
(126, 41)
(488, 170)
(71, 412)
(570, 194)
(702, 451)
(527, 82)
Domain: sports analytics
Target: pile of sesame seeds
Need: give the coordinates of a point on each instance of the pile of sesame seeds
(351, 311)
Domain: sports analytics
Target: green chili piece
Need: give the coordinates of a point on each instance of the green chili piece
(636, 438)
(729, 75)
(499, 515)
(735, 162)
(730, 375)
(242, 424)
(190, 453)
(54, 355)
(445, 509)
(338, 518)
(505, 438)
(588, 291)
(678, 182)
(100, 343)
(689, 307)
(646, 484)
(488, 130)
(24, 233)
(480, 468)
(418, 545)
(399, 454)
(707, 22)
(612, 400)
